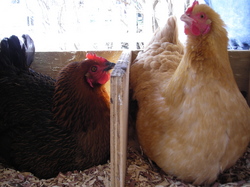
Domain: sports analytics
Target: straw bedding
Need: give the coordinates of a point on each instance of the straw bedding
(140, 172)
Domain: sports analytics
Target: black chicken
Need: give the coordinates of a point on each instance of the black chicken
(49, 126)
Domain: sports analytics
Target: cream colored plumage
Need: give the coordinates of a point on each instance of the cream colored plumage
(192, 120)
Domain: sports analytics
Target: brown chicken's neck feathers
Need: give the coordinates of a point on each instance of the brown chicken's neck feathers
(77, 106)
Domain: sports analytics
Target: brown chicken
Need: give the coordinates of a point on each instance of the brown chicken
(48, 126)
(192, 120)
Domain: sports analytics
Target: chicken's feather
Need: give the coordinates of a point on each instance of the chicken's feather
(157, 61)
(192, 119)
(31, 136)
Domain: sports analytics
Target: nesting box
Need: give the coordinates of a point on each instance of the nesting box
(51, 62)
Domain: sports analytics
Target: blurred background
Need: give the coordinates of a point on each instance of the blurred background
(60, 25)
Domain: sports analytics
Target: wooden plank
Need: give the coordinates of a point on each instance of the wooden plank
(119, 119)
(240, 63)
(50, 63)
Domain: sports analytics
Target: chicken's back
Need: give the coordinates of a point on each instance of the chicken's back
(25, 97)
(150, 73)
(24, 93)
(156, 64)
(25, 102)
(26, 112)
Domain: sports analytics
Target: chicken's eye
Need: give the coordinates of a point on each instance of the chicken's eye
(93, 68)
(202, 16)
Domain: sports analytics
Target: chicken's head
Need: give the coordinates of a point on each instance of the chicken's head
(196, 20)
(98, 69)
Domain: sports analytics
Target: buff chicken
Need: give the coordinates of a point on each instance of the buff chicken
(192, 120)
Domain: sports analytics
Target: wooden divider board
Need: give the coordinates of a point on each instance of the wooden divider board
(119, 98)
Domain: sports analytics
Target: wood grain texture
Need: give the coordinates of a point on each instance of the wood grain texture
(240, 63)
(119, 119)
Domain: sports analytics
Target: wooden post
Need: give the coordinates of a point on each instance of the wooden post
(119, 119)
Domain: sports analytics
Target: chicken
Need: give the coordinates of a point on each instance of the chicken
(16, 78)
(192, 120)
(48, 126)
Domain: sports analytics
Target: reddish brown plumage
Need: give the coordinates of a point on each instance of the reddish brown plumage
(82, 99)
(77, 89)
(46, 134)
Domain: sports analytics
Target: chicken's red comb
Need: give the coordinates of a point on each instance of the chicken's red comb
(190, 9)
(93, 56)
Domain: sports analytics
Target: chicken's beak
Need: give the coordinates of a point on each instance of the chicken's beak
(189, 25)
(187, 19)
(110, 65)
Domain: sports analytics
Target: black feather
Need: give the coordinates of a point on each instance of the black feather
(30, 138)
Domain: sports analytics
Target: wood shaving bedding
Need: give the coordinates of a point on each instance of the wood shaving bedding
(140, 172)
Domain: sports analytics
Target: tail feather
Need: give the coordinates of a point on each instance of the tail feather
(169, 33)
(16, 55)
(29, 48)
